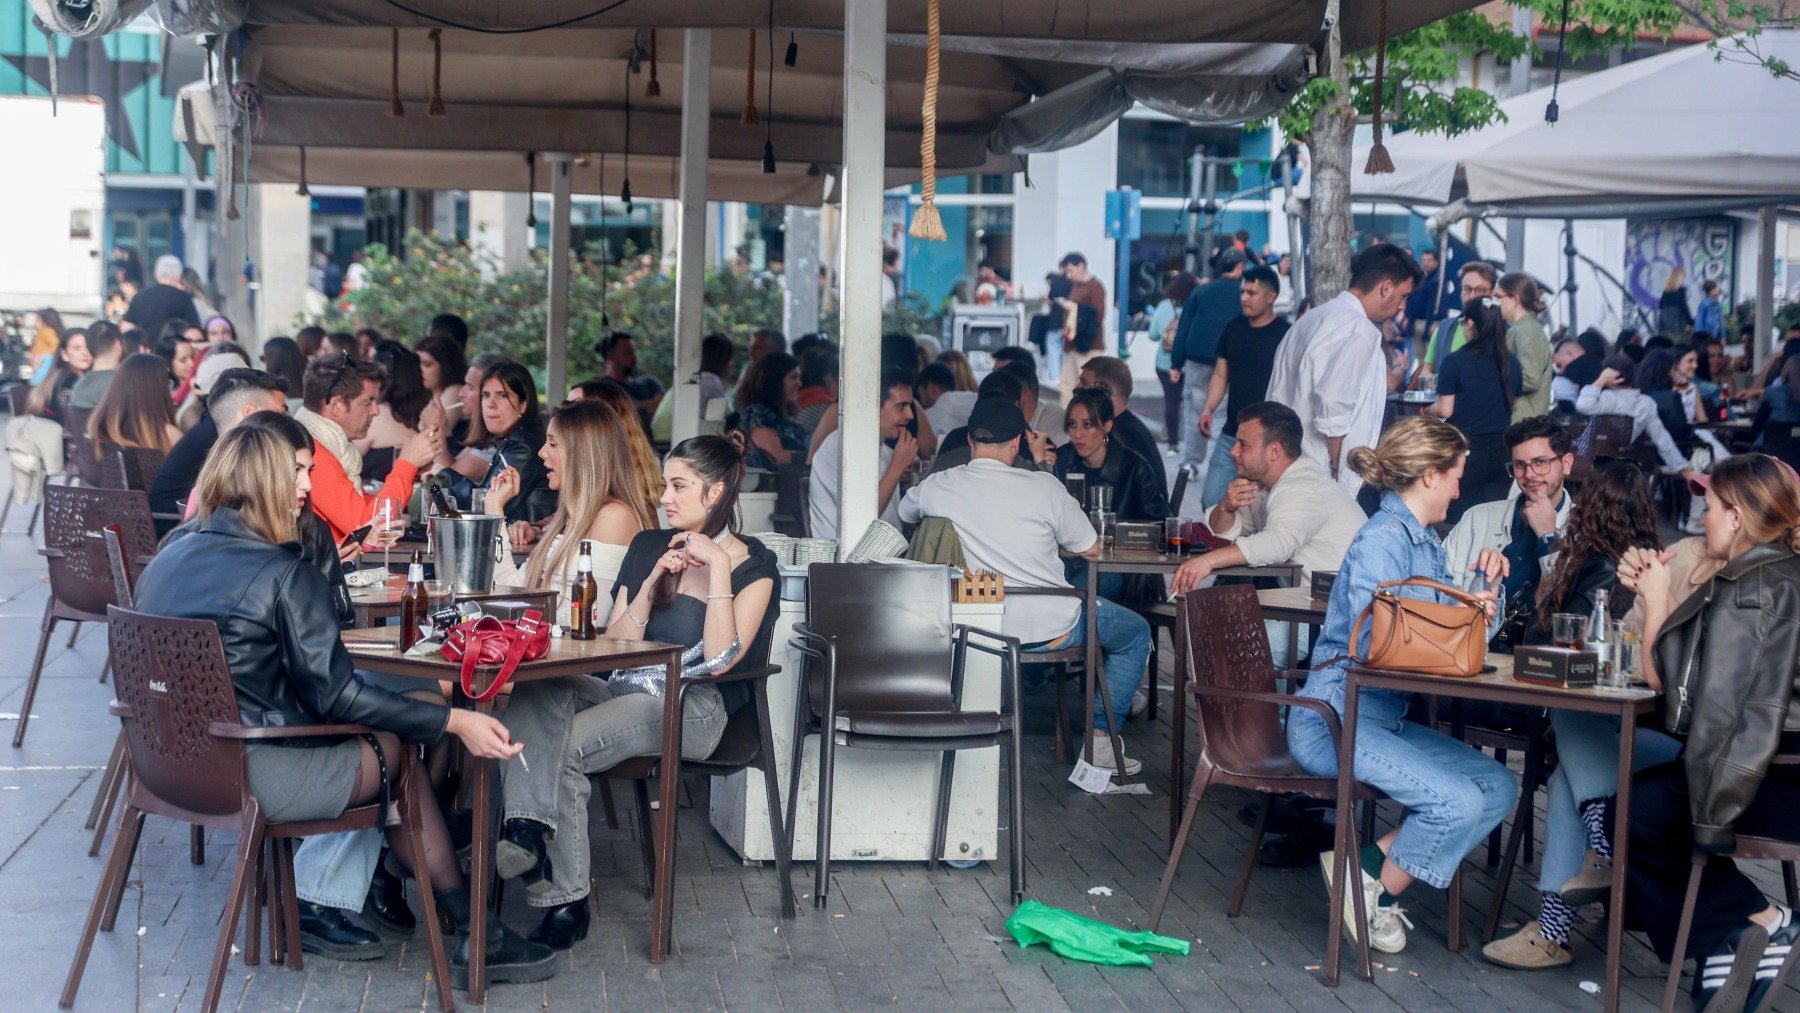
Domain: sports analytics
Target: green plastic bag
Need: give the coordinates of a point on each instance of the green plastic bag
(1077, 938)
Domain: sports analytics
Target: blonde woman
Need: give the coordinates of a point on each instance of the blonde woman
(1453, 794)
(239, 565)
(601, 497)
(959, 368)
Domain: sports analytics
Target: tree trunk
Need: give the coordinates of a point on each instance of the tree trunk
(1333, 131)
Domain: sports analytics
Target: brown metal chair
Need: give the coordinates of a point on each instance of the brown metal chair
(1242, 739)
(883, 669)
(746, 743)
(1596, 437)
(792, 511)
(129, 467)
(1753, 849)
(179, 710)
(81, 582)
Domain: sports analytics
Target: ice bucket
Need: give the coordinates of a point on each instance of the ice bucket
(465, 550)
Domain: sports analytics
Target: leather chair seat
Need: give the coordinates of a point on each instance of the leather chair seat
(922, 724)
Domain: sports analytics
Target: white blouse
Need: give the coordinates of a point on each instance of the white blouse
(607, 560)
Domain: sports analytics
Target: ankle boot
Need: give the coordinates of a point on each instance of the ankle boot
(562, 926)
(385, 907)
(511, 959)
(522, 853)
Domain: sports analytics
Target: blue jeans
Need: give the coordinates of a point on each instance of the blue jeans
(1125, 646)
(1587, 767)
(1453, 794)
(333, 870)
(1220, 470)
(1195, 377)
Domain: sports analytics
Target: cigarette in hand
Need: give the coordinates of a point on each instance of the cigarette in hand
(523, 764)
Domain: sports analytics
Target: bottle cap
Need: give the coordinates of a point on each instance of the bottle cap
(584, 560)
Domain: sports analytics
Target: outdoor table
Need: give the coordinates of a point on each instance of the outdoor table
(377, 650)
(1146, 561)
(1497, 686)
(375, 605)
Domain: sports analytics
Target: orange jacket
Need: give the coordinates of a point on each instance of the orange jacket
(341, 502)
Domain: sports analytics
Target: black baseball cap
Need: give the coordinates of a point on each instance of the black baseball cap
(995, 420)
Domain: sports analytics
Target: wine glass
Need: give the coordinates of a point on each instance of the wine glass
(388, 523)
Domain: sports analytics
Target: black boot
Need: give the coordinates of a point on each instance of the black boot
(511, 959)
(522, 854)
(385, 908)
(328, 932)
(563, 925)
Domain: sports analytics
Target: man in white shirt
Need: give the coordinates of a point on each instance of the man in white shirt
(822, 496)
(1280, 508)
(946, 408)
(1015, 522)
(1330, 368)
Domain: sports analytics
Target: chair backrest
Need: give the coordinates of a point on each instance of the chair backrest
(87, 456)
(173, 675)
(80, 575)
(1182, 474)
(18, 397)
(791, 507)
(1597, 437)
(1781, 440)
(123, 575)
(129, 467)
(1228, 648)
(892, 626)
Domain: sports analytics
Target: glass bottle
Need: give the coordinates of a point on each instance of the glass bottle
(1599, 634)
(582, 593)
(415, 603)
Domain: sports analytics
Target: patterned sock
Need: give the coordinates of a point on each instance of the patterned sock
(1593, 817)
(1555, 917)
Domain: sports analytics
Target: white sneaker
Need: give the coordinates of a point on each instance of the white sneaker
(1104, 759)
(1140, 702)
(1387, 925)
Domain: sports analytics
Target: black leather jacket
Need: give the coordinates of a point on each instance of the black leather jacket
(1137, 495)
(275, 614)
(1729, 656)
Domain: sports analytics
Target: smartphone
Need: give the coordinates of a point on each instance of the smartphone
(356, 537)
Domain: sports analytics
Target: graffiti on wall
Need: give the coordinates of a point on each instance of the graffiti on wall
(1702, 247)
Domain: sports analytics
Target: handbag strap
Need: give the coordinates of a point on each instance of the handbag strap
(518, 636)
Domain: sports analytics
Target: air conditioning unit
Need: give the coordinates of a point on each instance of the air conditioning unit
(984, 328)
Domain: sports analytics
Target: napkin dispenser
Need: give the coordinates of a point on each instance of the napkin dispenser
(1321, 584)
(1556, 666)
(508, 609)
(1137, 535)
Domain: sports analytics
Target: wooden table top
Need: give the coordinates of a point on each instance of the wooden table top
(377, 650)
(1291, 603)
(389, 593)
(1499, 685)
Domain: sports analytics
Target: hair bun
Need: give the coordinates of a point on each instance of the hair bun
(738, 440)
(1365, 462)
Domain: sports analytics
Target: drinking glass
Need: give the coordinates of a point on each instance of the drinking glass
(1106, 523)
(388, 523)
(1627, 640)
(478, 500)
(1567, 629)
(1480, 582)
(1175, 535)
(1100, 498)
(439, 595)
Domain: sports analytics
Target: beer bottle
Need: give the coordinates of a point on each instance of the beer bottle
(446, 504)
(582, 594)
(415, 603)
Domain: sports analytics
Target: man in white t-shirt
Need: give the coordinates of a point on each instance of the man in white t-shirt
(1331, 370)
(1015, 522)
(896, 412)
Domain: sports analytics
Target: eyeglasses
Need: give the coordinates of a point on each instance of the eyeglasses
(1537, 466)
(343, 367)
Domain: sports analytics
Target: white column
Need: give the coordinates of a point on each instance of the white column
(859, 400)
(283, 221)
(800, 302)
(1765, 284)
(497, 227)
(690, 227)
(556, 337)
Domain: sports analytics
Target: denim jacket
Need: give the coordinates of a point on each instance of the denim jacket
(1392, 545)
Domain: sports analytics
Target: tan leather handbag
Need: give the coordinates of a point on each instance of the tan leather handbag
(1428, 637)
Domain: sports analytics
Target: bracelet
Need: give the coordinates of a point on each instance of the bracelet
(713, 597)
(641, 623)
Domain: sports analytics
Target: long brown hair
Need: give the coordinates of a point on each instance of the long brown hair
(645, 467)
(597, 469)
(1762, 490)
(1611, 513)
(136, 411)
(251, 470)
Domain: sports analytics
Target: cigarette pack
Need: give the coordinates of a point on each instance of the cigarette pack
(1556, 666)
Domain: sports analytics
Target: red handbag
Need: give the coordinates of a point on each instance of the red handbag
(489, 641)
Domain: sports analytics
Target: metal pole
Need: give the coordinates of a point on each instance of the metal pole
(1122, 277)
(1570, 254)
(1296, 235)
(1209, 183)
(1765, 285)
(556, 331)
(690, 267)
(865, 133)
(1192, 255)
(800, 298)
(1518, 84)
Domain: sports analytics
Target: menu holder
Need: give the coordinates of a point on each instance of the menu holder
(1137, 535)
(1556, 666)
(979, 587)
(1321, 584)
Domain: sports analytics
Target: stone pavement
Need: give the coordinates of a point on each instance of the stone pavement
(894, 935)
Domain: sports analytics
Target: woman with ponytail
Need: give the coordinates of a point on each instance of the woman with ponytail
(1477, 386)
(1453, 794)
(1521, 300)
(1724, 659)
(698, 583)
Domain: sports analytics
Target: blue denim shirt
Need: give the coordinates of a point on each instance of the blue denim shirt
(1392, 545)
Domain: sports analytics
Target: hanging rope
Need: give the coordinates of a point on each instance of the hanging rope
(1551, 111)
(605, 246)
(395, 106)
(654, 88)
(303, 191)
(793, 50)
(436, 106)
(926, 224)
(55, 71)
(768, 159)
(750, 119)
(531, 189)
(1379, 160)
(625, 187)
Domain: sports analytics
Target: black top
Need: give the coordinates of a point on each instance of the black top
(683, 621)
(56, 405)
(1251, 352)
(1583, 371)
(1130, 430)
(1137, 495)
(1674, 415)
(181, 469)
(1474, 379)
(156, 305)
(1203, 320)
(1596, 574)
(519, 448)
